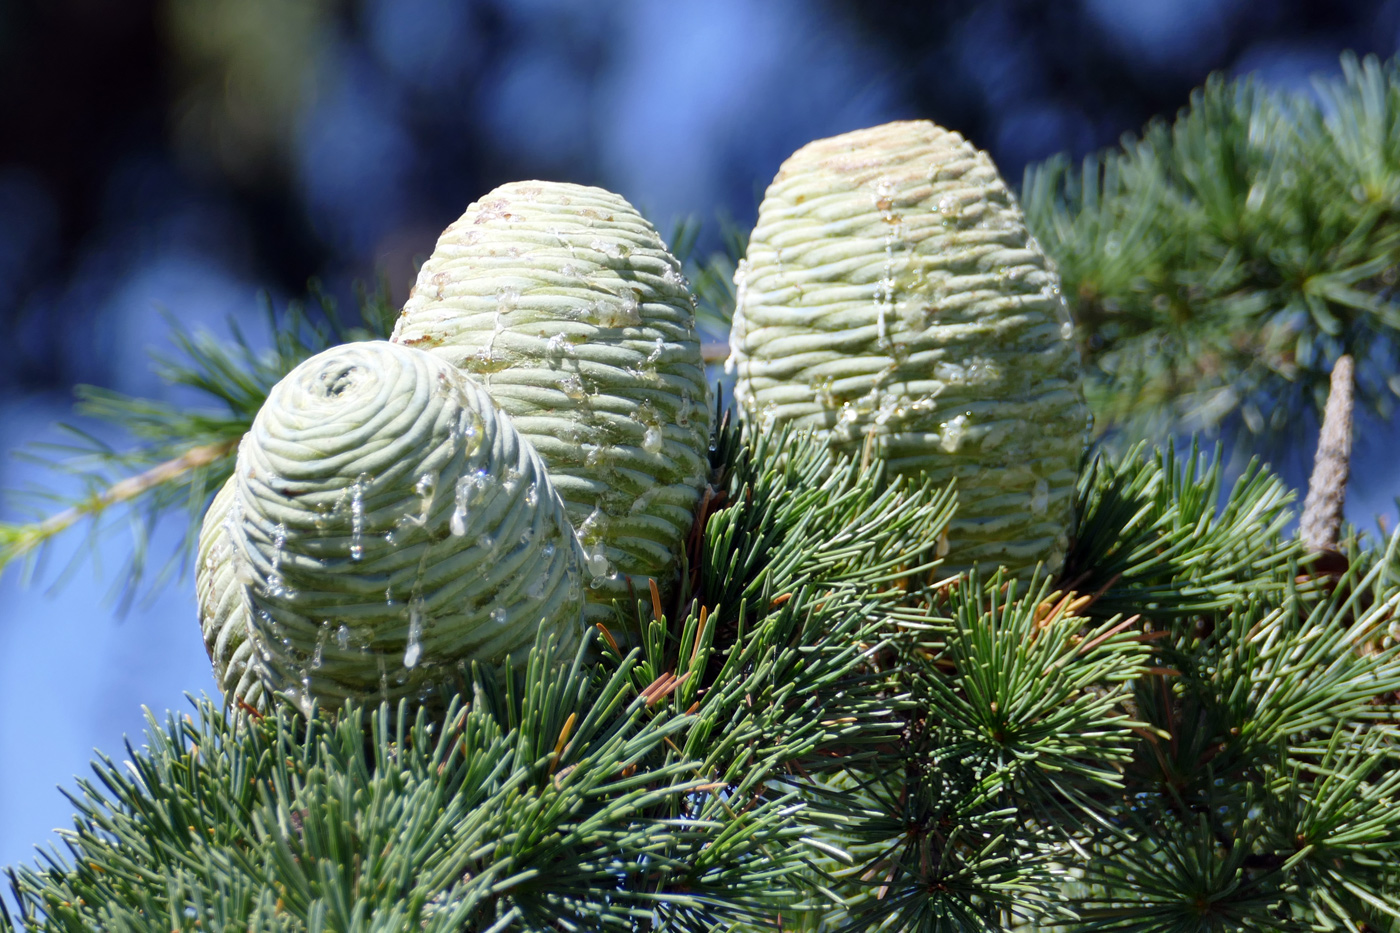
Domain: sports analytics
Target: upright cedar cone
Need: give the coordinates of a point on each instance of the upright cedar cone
(389, 525)
(892, 296)
(223, 615)
(567, 307)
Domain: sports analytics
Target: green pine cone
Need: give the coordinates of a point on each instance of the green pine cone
(892, 295)
(223, 616)
(390, 525)
(567, 307)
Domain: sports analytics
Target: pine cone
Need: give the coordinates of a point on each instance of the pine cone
(892, 296)
(388, 525)
(567, 307)
(223, 616)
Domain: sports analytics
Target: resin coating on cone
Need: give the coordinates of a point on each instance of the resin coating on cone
(892, 296)
(568, 308)
(389, 526)
(223, 616)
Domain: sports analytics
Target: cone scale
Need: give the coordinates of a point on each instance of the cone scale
(223, 616)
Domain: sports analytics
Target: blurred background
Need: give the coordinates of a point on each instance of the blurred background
(175, 159)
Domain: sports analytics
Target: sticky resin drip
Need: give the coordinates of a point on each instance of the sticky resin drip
(414, 649)
(357, 519)
(426, 486)
(558, 348)
(276, 586)
(894, 235)
(468, 487)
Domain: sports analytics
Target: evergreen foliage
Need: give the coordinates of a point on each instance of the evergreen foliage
(1191, 727)
(822, 730)
(1219, 265)
(648, 787)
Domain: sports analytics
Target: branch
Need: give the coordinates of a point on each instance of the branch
(18, 540)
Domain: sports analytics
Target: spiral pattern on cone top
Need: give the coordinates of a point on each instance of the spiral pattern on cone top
(891, 295)
(568, 308)
(223, 616)
(391, 525)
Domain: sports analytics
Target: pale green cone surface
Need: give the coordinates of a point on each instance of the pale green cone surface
(391, 525)
(223, 616)
(892, 295)
(566, 305)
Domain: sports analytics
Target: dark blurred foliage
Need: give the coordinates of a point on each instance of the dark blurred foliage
(185, 153)
(1026, 79)
(78, 89)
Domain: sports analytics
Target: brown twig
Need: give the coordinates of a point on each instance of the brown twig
(119, 492)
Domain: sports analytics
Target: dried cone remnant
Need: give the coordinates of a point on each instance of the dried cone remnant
(1321, 524)
(223, 616)
(891, 295)
(389, 525)
(567, 307)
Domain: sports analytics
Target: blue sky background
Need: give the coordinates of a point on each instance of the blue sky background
(272, 141)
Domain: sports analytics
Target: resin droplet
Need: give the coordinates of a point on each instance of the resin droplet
(1040, 498)
(656, 352)
(952, 434)
(357, 520)
(414, 651)
(598, 561)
